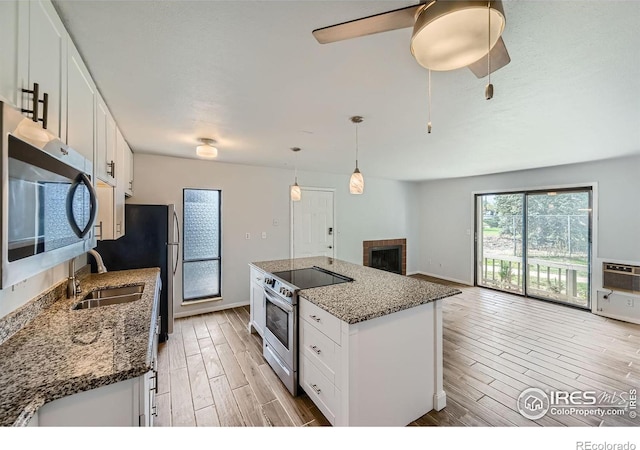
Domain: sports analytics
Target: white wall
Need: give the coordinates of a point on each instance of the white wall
(446, 213)
(253, 197)
(13, 297)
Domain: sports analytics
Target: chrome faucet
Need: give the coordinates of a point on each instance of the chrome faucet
(73, 285)
(99, 262)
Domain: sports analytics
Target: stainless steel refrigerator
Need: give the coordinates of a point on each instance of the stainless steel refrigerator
(152, 239)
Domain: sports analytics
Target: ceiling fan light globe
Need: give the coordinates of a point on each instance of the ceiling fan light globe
(451, 35)
(206, 151)
(356, 183)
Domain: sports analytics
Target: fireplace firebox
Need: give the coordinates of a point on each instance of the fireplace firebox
(386, 254)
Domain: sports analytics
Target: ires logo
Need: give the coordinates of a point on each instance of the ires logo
(564, 398)
(534, 403)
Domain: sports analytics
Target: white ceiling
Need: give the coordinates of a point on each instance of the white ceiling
(251, 75)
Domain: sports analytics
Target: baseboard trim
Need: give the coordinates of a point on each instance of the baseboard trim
(439, 400)
(455, 280)
(196, 312)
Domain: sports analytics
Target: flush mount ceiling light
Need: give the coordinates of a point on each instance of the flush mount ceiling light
(207, 150)
(356, 182)
(295, 192)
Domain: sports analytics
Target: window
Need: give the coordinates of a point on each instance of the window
(536, 243)
(201, 253)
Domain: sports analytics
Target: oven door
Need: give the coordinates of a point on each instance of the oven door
(280, 327)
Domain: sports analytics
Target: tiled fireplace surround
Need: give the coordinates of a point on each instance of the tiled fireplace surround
(367, 245)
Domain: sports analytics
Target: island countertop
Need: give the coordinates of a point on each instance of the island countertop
(373, 293)
(63, 351)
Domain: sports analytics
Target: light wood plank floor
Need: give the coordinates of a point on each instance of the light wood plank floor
(211, 371)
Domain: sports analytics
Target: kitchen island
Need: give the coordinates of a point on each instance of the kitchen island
(60, 366)
(370, 350)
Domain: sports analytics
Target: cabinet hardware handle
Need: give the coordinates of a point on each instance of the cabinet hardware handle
(111, 169)
(314, 317)
(36, 94)
(45, 110)
(316, 349)
(99, 236)
(316, 388)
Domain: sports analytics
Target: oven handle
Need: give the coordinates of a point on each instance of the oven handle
(276, 301)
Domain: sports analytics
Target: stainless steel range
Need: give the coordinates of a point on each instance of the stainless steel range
(280, 344)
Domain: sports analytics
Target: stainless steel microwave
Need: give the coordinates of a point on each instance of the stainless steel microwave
(48, 202)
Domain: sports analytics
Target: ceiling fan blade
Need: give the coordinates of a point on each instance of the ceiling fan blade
(499, 58)
(378, 23)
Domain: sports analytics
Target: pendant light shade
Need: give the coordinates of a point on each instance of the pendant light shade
(207, 150)
(356, 182)
(294, 192)
(448, 35)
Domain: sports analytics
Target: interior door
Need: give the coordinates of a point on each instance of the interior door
(313, 224)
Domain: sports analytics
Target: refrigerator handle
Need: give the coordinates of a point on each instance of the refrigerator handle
(177, 243)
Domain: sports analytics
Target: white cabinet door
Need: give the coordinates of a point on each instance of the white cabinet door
(121, 182)
(129, 170)
(14, 35)
(47, 63)
(105, 222)
(100, 166)
(257, 307)
(111, 136)
(81, 93)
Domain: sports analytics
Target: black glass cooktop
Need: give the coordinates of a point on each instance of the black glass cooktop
(311, 277)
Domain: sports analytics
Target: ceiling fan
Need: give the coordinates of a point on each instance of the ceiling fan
(447, 34)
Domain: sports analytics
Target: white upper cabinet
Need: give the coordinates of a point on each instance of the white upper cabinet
(47, 64)
(121, 182)
(129, 169)
(105, 142)
(81, 93)
(14, 35)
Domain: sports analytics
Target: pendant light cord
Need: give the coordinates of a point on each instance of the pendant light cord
(489, 43)
(356, 145)
(429, 99)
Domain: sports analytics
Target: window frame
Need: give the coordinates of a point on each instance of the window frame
(218, 295)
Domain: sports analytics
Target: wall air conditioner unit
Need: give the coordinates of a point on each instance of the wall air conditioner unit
(621, 277)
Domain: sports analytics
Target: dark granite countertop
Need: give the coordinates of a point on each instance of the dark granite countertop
(373, 293)
(61, 352)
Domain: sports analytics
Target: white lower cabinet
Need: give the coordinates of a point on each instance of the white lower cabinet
(385, 371)
(126, 403)
(256, 301)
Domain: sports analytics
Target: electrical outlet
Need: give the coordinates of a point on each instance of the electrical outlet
(264, 235)
(630, 302)
(247, 235)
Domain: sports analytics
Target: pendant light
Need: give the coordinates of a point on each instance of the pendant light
(356, 183)
(295, 192)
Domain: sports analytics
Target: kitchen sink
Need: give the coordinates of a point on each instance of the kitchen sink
(110, 296)
(114, 291)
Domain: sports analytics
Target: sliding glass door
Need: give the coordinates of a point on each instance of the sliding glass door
(546, 232)
(500, 263)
